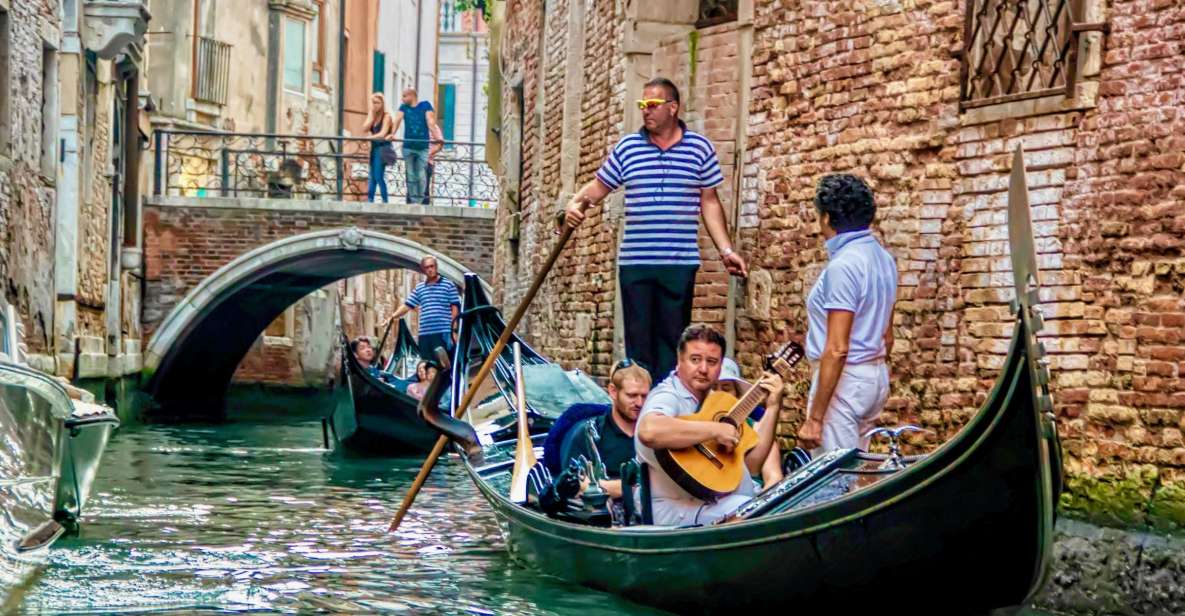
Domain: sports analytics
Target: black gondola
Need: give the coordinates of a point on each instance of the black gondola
(373, 416)
(964, 529)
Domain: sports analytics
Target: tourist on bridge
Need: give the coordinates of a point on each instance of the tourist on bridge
(438, 303)
(670, 175)
(380, 127)
(421, 124)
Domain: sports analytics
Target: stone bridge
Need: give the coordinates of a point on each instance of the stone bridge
(218, 270)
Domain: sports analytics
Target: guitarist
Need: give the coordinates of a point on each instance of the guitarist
(697, 369)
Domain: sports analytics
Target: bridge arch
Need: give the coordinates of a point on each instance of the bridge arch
(192, 355)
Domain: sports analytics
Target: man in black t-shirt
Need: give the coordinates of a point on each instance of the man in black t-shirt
(629, 384)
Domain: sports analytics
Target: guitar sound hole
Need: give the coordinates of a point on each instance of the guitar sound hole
(728, 420)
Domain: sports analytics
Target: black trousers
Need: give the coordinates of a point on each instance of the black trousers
(656, 303)
(429, 342)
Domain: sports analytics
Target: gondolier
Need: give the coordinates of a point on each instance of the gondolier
(850, 321)
(670, 175)
(438, 303)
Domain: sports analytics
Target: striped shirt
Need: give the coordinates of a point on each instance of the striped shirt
(433, 301)
(662, 195)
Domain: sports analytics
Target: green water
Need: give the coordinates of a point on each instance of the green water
(254, 515)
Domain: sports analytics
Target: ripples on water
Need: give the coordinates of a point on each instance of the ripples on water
(254, 515)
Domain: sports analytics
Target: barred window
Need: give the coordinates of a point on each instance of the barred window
(713, 12)
(1020, 49)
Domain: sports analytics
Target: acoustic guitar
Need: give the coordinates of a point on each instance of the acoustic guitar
(705, 470)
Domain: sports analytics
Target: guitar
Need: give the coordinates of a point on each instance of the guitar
(705, 470)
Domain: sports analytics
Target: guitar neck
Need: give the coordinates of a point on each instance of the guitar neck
(740, 411)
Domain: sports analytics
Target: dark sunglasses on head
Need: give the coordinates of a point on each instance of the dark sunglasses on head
(623, 364)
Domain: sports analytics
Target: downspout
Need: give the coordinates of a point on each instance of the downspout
(419, 41)
(273, 72)
(131, 153)
(745, 78)
(341, 68)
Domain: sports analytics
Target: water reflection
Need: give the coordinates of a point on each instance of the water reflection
(254, 515)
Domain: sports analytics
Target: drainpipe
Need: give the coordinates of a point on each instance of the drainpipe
(131, 149)
(419, 36)
(273, 72)
(341, 68)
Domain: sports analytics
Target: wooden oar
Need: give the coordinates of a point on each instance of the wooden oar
(482, 373)
(524, 451)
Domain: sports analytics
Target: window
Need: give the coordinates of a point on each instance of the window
(1019, 50)
(380, 68)
(713, 12)
(294, 54)
(447, 95)
(5, 46)
(318, 28)
(49, 112)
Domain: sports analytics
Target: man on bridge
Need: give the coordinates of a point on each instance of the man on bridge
(438, 303)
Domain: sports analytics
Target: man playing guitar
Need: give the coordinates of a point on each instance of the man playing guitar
(700, 356)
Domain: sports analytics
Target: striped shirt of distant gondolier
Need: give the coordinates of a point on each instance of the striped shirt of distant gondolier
(662, 196)
(434, 301)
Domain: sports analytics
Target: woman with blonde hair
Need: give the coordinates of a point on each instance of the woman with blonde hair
(378, 127)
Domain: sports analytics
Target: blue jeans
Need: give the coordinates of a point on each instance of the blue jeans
(377, 169)
(417, 173)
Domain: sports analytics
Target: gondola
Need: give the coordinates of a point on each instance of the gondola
(964, 529)
(53, 446)
(376, 417)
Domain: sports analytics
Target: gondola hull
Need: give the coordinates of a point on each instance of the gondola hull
(968, 527)
(372, 417)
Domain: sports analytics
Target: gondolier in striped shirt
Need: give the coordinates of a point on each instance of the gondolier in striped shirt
(438, 303)
(670, 175)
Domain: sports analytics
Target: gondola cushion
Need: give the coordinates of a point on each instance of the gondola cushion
(553, 446)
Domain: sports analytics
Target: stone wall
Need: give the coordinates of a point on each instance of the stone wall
(26, 194)
(874, 90)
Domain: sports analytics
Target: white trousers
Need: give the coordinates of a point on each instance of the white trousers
(859, 397)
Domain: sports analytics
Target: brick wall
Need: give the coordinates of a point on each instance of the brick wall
(26, 197)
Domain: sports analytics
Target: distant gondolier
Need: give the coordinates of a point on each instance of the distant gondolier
(438, 303)
(670, 175)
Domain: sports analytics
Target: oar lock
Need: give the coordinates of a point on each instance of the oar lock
(895, 461)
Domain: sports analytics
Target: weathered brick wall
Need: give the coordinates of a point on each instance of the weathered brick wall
(572, 318)
(26, 197)
(857, 92)
(185, 244)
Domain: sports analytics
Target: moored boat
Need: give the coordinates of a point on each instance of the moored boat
(969, 525)
(52, 448)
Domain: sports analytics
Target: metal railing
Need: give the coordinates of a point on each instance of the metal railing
(1020, 49)
(211, 75)
(211, 164)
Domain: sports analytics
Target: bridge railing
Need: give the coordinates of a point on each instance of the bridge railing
(195, 163)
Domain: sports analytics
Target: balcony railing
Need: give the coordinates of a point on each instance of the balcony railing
(211, 74)
(211, 164)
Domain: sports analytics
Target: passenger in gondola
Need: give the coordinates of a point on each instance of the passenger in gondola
(612, 427)
(850, 319)
(364, 353)
(700, 358)
(425, 372)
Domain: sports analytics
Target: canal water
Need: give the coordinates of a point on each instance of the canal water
(254, 515)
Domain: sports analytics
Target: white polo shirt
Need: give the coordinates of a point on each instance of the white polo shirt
(861, 277)
(671, 504)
